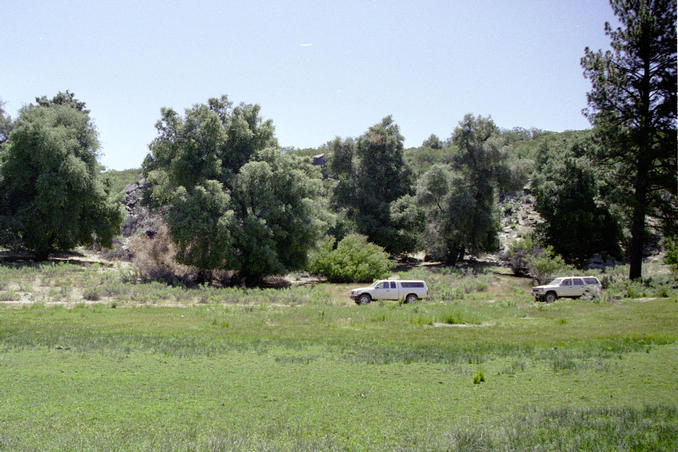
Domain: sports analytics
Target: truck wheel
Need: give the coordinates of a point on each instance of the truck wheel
(550, 297)
(411, 298)
(364, 299)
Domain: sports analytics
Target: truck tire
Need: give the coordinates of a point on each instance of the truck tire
(411, 298)
(364, 299)
(550, 297)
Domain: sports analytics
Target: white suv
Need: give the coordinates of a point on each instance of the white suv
(410, 290)
(570, 286)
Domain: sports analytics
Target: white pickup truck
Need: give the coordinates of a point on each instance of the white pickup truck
(410, 290)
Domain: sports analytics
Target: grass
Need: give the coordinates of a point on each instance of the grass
(152, 367)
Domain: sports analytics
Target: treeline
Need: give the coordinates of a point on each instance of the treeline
(234, 201)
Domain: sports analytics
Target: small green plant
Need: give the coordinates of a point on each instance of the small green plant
(478, 377)
(220, 323)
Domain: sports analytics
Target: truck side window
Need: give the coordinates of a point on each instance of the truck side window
(578, 282)
(393, 285)
(566, 282)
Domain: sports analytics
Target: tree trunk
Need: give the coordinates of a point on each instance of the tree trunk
(637, 242)
(638, 220)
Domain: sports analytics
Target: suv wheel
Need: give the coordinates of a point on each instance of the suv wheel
(411, 298)
(550, 297)
(364, 299)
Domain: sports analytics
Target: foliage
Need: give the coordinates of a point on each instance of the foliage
(578, 223)
(118, 180)
(544, 264)
(353, 260)
(518, 254)
(421, 159)
(432, 142)
(460, 201)
(155, 258)
(671, 253)
(5, 125)
(372, 176)
(235, 202)
(632, 105)
(51, 194)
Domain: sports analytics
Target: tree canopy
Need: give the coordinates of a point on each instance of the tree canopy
(51, 193)
(5, 124)
(567, 187)
(234, 201)
(460, 199)
(632, 105)
(372, 176)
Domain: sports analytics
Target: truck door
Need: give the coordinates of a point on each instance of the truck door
(566, 289)
(382, 290)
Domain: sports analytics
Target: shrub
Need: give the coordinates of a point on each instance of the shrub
(671, 253)
(479, 377)
(354, 260)
(517, 255)
(543, 265)
(91, 294)
(154, 256)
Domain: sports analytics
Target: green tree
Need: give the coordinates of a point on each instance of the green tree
(578, 222)
(234, 201)
(456, 224)
(460, 199)
(632, 105)
(5, 124)
(432, 142)
(54, 198)
(376, 177)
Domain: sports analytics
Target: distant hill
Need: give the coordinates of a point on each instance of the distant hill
(120, 179)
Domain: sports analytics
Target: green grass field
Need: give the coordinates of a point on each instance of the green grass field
(150, 367)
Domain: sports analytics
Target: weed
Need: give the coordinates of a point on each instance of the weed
(9, 295)
(478, 377)
(91, 293)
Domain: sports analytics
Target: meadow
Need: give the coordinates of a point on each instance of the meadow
(92, 358)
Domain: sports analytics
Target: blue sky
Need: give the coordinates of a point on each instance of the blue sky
(319, 69)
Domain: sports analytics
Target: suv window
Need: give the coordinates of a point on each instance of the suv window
(593, 281)
(383, 285)
(412, 284)
(393, 285)
(578, 282)
(566, 282)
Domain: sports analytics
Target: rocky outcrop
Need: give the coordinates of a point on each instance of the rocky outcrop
(139, 220)
(519, 218)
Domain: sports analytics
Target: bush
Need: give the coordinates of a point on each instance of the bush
(517, 255)
(354, 260)
(671, 253)
(543, 265)
(154, 256)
